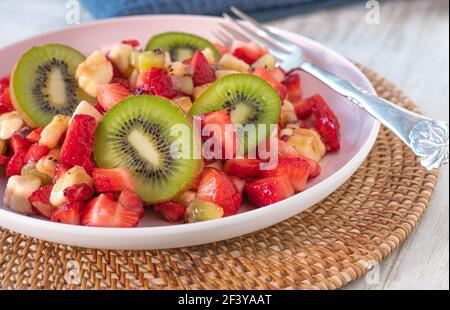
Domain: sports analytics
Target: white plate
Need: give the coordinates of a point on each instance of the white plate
(359, 132)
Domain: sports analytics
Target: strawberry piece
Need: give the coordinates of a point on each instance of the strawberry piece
(131, 42)
(78, 192)
(16, 163)
(40, 201)
(171, 211)
(293, 86)
(77, 147)
(159, 83)
(248, 52)
(329, 132)
(279, 74)
(131, 201)
(266, 75)
(221, 130)
(99, 108)
(303, 108)
(221, 48)
(18, 143)
(124, 82)
(4, 83)
(314, 168)
(111, 94)
(296, 170)
(104, 212)
(36, 152)
(112, 196)
(113, 180)
(243, 168)
(264, 192)
(239, 183)
(5, 99)
(69, 213)
(35, 135)
(4, 160)
(217, 187)
(60, 170)
(202, 73)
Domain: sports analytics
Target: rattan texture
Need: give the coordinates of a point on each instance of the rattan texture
(326, 247)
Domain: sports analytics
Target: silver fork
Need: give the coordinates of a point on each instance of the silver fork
(427, 138)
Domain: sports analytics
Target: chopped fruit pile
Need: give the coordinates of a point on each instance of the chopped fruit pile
(86, 140)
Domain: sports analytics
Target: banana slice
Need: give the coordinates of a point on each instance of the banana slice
(95, 70)
(18, 190)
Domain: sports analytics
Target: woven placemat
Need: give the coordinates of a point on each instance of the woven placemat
(326, 247)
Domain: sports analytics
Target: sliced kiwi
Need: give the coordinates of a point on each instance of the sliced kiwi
(43, 83)
(250, 100)
(180, 46)
(138, 134)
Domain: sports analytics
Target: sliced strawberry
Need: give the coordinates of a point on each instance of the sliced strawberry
(296, 170)
(36, 152)
(293, 85)
(278, 74)
(172, 211)
(69, 213)
(159, 83)
(40, 201)
(303, 108)
(111, 94)
(4, 160)
(113, 180)
(202, 73)
(221, 130)
(104, 212)
(314, 168)
(5, 99)
(131, 42)
(61, 169)
(16, 164)
(217, 187)
(4, 83)
(35, 135)
(239, 183)
(267, 75)
(269, 190)
(78, 192)
(248, 52)
(77, 147)
(99, 108)
(243, 168)
(111, 196)
(329, 132)
(131, 201)
(18, 143)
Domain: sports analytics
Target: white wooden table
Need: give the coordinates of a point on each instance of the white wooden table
(409, 46)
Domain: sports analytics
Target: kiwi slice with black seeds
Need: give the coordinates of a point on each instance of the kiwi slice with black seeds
(180, 45)
(249, 99)
(137, 134)
(43, 83)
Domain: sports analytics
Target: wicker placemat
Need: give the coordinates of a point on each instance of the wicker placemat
(326, 247)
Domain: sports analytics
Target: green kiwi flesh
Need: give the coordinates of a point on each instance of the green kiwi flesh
(43, 83)
(250, 100)
(136, 133)
(180, 46)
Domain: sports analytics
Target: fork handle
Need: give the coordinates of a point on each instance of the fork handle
(427, 138)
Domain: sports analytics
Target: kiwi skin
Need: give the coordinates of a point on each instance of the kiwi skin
(16, 106)
(99, 146)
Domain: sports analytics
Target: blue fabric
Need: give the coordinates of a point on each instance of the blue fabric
(261, 9)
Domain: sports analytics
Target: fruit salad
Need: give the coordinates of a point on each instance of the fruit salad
(89, 140)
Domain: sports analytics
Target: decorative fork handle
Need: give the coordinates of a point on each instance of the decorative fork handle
(427, 138)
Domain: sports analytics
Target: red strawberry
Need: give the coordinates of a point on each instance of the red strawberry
(124, 82)
(286, 150)
(221, 129)
(293, 85)
(111, 196)
(329, 131)
(35, 135)
(69, 213)
(4, 83)
(296, 170)
(4, 160)
(242, 168)
(132, 42)
(264, 192)
(40, 201)
(248, 52)
(239, 183)
(131, 201)
(303, 108)
(5, 99)
(77, 147)
(172, 211)
(104, 212)
(202, 73)
(278, 74)
(16, 163)
(217, 187)
(314, 168)
(111, 94)
(266, 75)
(36, 152)
(61, 169)
(99, 108)
(159, 83)
(78, 192)
(113, 180)
(18, 143)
